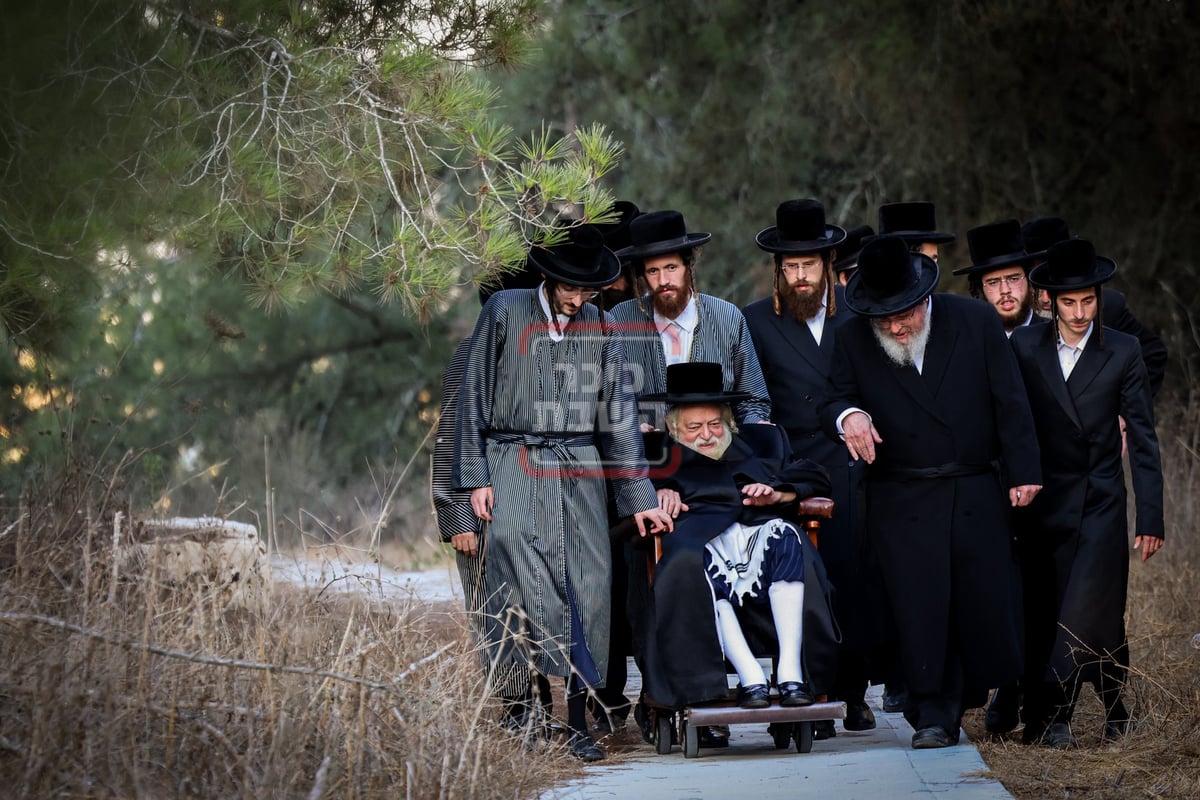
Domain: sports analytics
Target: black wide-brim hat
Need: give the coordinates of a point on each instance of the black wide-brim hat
(528, 277)
(695, 382)
(1072, 265)
(656, 233)
(994, 246)
(847, 253)
(912, 222)
(800, 229)
(889, 278)
(580, 259)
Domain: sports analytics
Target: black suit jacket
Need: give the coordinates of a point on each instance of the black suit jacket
(945, 542)
(1080, 555)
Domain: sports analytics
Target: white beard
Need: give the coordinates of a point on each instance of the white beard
(903, 355)
(723, 441)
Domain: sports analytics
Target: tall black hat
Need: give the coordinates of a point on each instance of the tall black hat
(1041, 233)
(847, 252)
(657, 232)
(889, 278)
(913, 222)
(692, 382)
(994, 246)
(616, 233)
(580, 259)
(800, 229)
(1072, 265)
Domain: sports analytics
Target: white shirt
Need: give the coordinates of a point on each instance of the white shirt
(816, 323)
(555, 330)
(677, 334)
(1068, 355)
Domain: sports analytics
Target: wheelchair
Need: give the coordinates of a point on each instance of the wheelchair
(787, 725)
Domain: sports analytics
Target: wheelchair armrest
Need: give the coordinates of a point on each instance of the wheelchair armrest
(821, 507)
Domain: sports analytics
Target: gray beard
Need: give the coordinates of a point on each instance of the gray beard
(902, 355)
(723, 442)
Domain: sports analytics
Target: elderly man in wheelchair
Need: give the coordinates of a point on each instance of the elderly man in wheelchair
(738, 575)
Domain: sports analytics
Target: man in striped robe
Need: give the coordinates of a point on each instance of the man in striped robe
(545, 416)
(671, 323)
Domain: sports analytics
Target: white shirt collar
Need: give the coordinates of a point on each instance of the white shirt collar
(1077, 348)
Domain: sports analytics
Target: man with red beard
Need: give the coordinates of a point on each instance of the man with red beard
(794, 332)
(671, 323)
(998, 272)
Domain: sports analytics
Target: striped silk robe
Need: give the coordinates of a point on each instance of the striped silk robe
(548, 558)
(721, 336)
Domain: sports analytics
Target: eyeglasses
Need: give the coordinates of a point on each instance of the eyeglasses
(903, 318)
(573, 291)
(1014, 280)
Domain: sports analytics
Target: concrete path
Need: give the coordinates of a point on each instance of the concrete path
(873, 765)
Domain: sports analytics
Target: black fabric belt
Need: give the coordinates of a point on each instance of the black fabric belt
(953, 469)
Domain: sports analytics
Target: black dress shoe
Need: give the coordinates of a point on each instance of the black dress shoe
(1115, 729)
(823, 729)
(895, 698)
(584, 748)
(710, 738)
(932, 737)
(641, 715)
(1001, 716)
(1058, 736)
(793, 693)
(859, 716)
(754, 696)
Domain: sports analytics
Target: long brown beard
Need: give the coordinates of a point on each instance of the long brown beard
(803, 307)
(674, 307)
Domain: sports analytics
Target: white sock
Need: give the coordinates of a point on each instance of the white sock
(733, 644)
(787, 608)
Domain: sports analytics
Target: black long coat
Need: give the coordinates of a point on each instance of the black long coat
(1079, 556)
(797, 370)
(945, 542)
(683, 662)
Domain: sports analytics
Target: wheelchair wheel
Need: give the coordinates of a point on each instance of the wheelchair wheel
(803, 734)
(781, 732)
(662, 732)
(691, 741)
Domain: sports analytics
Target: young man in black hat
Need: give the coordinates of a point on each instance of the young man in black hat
(794, 331)
(926, 391)
(736, 564)
(998, 272)
(1040, 234)
(672, 323)
(544, 414)
(1080, 378)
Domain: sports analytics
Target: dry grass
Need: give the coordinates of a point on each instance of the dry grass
(1161, 756)
(134, 689)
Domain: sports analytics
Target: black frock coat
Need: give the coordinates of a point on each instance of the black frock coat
(797, 370)
(945, 542)
(1078, 559)
(683, 662)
